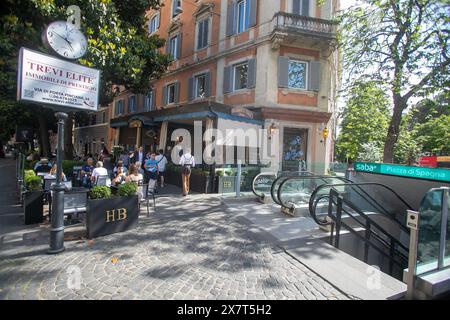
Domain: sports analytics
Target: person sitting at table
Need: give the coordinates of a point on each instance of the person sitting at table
(120, 177)
(86, 172)
(98, 171)
(52, 174)
(42, 166)
(137, 177)
(139, 168)
(120, 164)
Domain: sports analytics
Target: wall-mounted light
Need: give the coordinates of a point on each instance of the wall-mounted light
(272, 129)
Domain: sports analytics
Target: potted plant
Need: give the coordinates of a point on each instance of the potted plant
(108, 214)
(33, 201)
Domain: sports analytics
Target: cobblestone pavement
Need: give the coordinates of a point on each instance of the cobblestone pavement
(188, 249)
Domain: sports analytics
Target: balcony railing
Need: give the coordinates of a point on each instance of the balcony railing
(283, 21)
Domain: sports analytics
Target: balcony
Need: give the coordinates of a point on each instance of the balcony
(288, 27)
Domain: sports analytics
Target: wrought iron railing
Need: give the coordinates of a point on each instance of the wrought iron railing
(283, 20)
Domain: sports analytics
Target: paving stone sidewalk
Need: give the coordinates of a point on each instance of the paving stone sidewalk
(191, 248)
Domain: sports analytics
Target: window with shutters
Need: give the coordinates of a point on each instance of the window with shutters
(132, 104)
(200, 86)
(148, 104)
(298, 74)
(240, 76)
(202, 33)
(171, 93)
(173, 47)
(154, 23)
(243, 13)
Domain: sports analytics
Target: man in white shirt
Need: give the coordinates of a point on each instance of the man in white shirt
(99, 171)
(187, 162)
(162, 162)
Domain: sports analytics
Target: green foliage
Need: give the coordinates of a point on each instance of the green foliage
(100, 192)
(364, 120)
(220, 173)
(29, 173)
(127, 189)
(33, 183)
(371, 152)
(434, 135)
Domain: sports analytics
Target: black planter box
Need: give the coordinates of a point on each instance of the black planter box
(33, 207)
(112, 215)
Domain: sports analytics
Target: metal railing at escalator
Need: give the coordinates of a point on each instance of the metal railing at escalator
(371, 212)
(291, 192)
(263, 183)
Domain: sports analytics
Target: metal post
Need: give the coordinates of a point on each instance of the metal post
(238, 179)
(57, 226)
(412, 260)
(444, 221)
(338, 221)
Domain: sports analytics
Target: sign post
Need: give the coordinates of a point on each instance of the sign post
(57, 219)
(413, 225)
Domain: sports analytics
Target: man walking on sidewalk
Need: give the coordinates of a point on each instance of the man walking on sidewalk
(187, 162)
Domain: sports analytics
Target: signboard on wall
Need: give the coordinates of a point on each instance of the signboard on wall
(404, 171)
(47, 80)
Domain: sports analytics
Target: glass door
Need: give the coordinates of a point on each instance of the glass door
(295, 148)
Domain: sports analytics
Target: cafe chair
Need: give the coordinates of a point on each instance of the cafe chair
(145, 194)
(103, 181)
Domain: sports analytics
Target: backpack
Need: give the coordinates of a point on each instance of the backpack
(187, 168)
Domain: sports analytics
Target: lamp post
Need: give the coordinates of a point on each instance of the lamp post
(57, 223)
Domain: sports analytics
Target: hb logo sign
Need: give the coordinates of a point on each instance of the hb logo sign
(116, 215)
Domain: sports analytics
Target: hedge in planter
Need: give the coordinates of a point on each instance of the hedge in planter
(33, 202)
(108, 214)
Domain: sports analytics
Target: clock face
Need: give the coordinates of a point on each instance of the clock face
(65, 40)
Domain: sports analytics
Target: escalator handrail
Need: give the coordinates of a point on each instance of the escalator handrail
(334, 193)
(312, 207)
(272, 190)
(372, 201)
(261, 174)
(325, 223)
(319, 177)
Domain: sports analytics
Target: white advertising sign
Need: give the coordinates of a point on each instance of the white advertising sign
(47, 80)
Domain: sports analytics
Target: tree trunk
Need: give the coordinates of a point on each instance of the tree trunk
(394, 130)
(43, 135)
(68, 143)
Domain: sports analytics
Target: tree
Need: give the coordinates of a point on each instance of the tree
(403, 44)
(434, 135)
(364, 120)
(407, 148)
(118, 42)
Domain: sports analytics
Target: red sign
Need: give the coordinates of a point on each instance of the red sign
(429, 162)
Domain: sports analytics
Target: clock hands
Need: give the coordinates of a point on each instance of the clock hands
(65, 39)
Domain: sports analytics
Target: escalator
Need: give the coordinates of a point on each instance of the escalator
(262, 184)
(366, 220)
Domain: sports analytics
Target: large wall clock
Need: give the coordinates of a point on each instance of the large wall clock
(65, 40)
